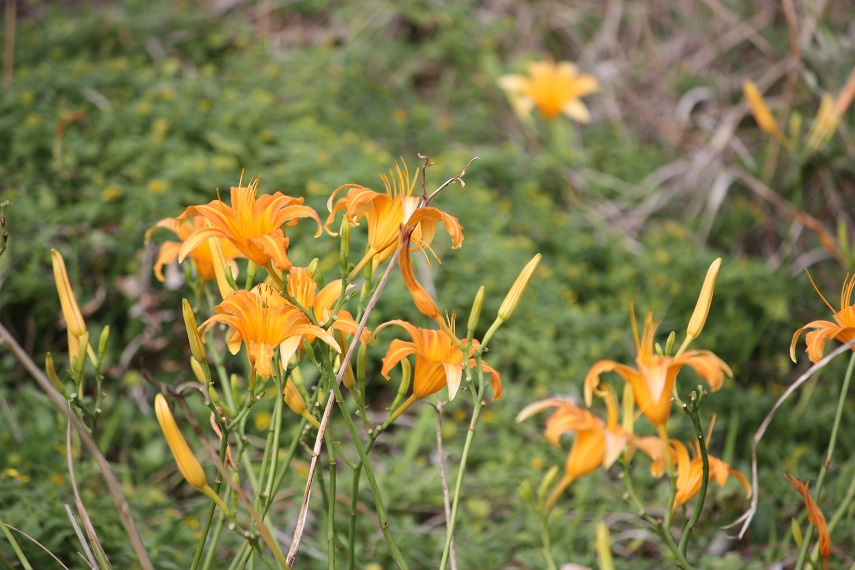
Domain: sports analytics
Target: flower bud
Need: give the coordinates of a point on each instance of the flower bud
(197, 344)
(102, 342)
(477, 305)
(70, 311)
(344, 248)
(348, 378)
(294, 400)
(184, 457)
(604, 547)
(702, 308)
(198, 371)
(512, 299)
(765, 120)
(51, 374)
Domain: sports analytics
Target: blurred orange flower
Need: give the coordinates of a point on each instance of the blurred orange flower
(201, 256)
(551, 87)
(439, 362)
(654, 379)
(263, 324)
(842, 329)
(690, 473)
(253, 224)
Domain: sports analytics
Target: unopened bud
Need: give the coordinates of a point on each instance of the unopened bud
(294, 400)
(344, 248)
(102, 342)
(765, 120)
(197, 345)
(347, 378)
(512, 299)
(52, 376)
(475, 313)
(70, 311)
(702, 308)
(198, 371)
(604, 547)
(184, 457)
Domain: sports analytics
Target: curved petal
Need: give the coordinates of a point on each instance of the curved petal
(398, 350)
(453, 375)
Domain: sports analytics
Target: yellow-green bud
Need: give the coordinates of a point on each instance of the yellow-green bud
(344, 250)
(604, 547)
(51, 374)
(198, 371)
(197, 344)
(348, 379)
(702, 308)
(184, 457)
(102, 342)
(475, 313)
(512, 299)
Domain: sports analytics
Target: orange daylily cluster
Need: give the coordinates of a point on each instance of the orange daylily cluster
(651, 382)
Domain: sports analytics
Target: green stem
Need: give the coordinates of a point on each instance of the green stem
(547, 543)
(705, 477)
(824, 469)
(15, 546)
(224, 444)
(331, 505)
(459, 485)
(366, 465)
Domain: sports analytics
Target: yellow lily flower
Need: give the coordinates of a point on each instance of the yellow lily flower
(439, 362)
(201, 256)
(597, 443)
(843, 329)
(553, 88)
(253, 224)
(654, 379)
(690, 473)
(263, 325)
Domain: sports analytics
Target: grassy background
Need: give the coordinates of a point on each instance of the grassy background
(119, 114)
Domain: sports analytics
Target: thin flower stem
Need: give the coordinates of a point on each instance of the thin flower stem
(547, 542)
(459, 485)
(15, 546)
(224, 444)
(366, 465)
(446, 501)
(331, 505)
(825, 464)
(692, 411)
(316, 450)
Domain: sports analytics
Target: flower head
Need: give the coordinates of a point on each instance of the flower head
(551, 87)
(253, 224)
(654, 378)
(690, 473)
(303, 289)
(597, 443)
(201, 255)
(439, 362)
(842, 329)
(74, 322)
(264, 321)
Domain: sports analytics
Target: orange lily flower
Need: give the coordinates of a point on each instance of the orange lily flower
(654, 379)
(843, 329)
(202, 258)
(253, 224)
(305, 291)
(439, 362)
(551, 87)
(383, 213)
(263, 325)
(690, 473)
(815, 516)
(597, 443)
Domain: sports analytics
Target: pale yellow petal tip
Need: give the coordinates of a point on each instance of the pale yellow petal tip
(512, 299)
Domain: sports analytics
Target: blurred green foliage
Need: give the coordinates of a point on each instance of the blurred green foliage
(125, 114)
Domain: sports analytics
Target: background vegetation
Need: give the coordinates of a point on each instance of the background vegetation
(115, 115)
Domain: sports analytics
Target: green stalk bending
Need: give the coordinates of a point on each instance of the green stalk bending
(692, 410)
